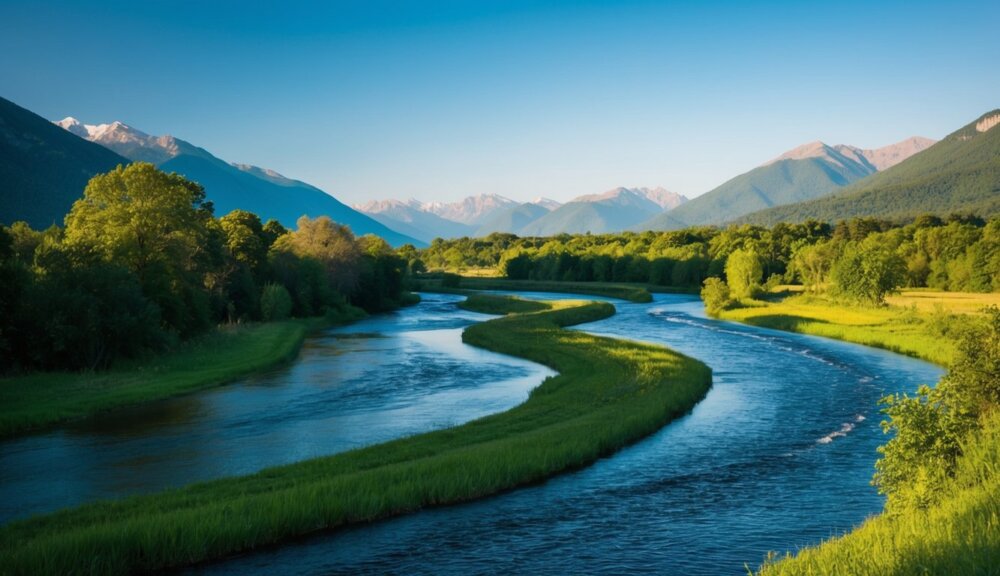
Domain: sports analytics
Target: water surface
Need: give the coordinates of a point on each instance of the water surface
(778, 455)
(385, 377)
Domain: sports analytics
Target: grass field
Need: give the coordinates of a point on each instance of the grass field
(908, 331)
(608, 393)
(42, 399)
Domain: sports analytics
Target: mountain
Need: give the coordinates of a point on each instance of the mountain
(231, 186)
(409, 217)
(472, 210)
(961, 173)
(515, 218)
(43, 169)
(809, 171)
(611, 211)
(546, 203)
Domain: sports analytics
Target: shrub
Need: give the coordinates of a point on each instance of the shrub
(275, 303)
(716, 295)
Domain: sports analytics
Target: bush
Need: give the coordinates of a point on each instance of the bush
(275, 303)
(716, 295)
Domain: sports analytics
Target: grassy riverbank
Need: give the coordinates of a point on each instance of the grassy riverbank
(42, 399)
(631, 292)
(906, 331)
(960, 535)
(608, 394)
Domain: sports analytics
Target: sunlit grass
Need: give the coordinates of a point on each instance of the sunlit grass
(902, 330)
(608, 394)
(953, 302)
(960, 535)
(45, 398)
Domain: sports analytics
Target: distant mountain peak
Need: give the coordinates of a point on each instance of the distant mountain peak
(547, 203)
(877, 159)
(130, 142)
(660, 196)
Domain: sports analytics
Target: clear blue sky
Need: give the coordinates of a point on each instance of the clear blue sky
(440, 100)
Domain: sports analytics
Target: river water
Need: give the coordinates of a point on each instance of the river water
(777, 456)
(385, 377)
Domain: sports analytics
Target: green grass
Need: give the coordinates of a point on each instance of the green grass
(960, 535)
(490, 304)
(905, 331)
(42, 399)
(631, 292)
(608, 393)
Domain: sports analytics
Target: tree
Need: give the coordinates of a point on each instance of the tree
(743, 273)
(331, 244)
(155, 225)
(813, 263)
(868, 271)
(716, 296)
(246, 240)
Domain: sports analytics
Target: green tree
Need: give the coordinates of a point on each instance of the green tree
(715, 294)
(744, 272)
(156, 225)
(331, 244)
(868, 271)
(275, 303)
(813, 262)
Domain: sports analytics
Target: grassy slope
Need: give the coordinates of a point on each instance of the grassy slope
(608, 394)
(961, 173)
(961, 535)
(42, 399)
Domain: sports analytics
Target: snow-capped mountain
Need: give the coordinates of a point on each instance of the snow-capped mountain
(471, 210)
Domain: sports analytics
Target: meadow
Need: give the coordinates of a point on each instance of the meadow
(608, 394)
(632, 292)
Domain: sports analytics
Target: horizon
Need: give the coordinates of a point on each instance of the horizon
(518, 99)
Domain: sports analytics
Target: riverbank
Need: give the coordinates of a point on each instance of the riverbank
(609, 393)
(40, 400)
(927, 335)
(961, 533)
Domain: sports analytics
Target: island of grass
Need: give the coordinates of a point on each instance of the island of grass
(453, 283)
(43, 399)
(608, 394)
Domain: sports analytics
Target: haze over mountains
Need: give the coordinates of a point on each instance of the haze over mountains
(231, 186)
(611, 211)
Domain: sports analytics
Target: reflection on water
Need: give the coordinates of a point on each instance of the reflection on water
(385, 377)
(778, 455)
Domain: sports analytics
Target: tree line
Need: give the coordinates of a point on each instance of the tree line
(865, 256)
(142, 263)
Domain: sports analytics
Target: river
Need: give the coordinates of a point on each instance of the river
(777, 456)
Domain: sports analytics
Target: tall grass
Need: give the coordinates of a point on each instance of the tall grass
(42, 399)
(608, 394)
(960, 535)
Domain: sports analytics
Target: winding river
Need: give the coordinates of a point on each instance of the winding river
(777, 456)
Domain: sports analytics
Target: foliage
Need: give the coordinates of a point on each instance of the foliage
(716, 296)
(743, 273)
(608, 393)
(867, 272)
(275, 303)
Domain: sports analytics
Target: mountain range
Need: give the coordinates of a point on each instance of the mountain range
(961, 173)
(806, 172)
(611, 211)
(230, 186)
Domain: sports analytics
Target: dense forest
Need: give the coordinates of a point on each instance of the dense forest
(142, 262)
(959, 253)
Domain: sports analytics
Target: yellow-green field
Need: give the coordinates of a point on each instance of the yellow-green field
(902, 330)
(954, 302)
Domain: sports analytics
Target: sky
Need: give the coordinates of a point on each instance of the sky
(442, 100)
